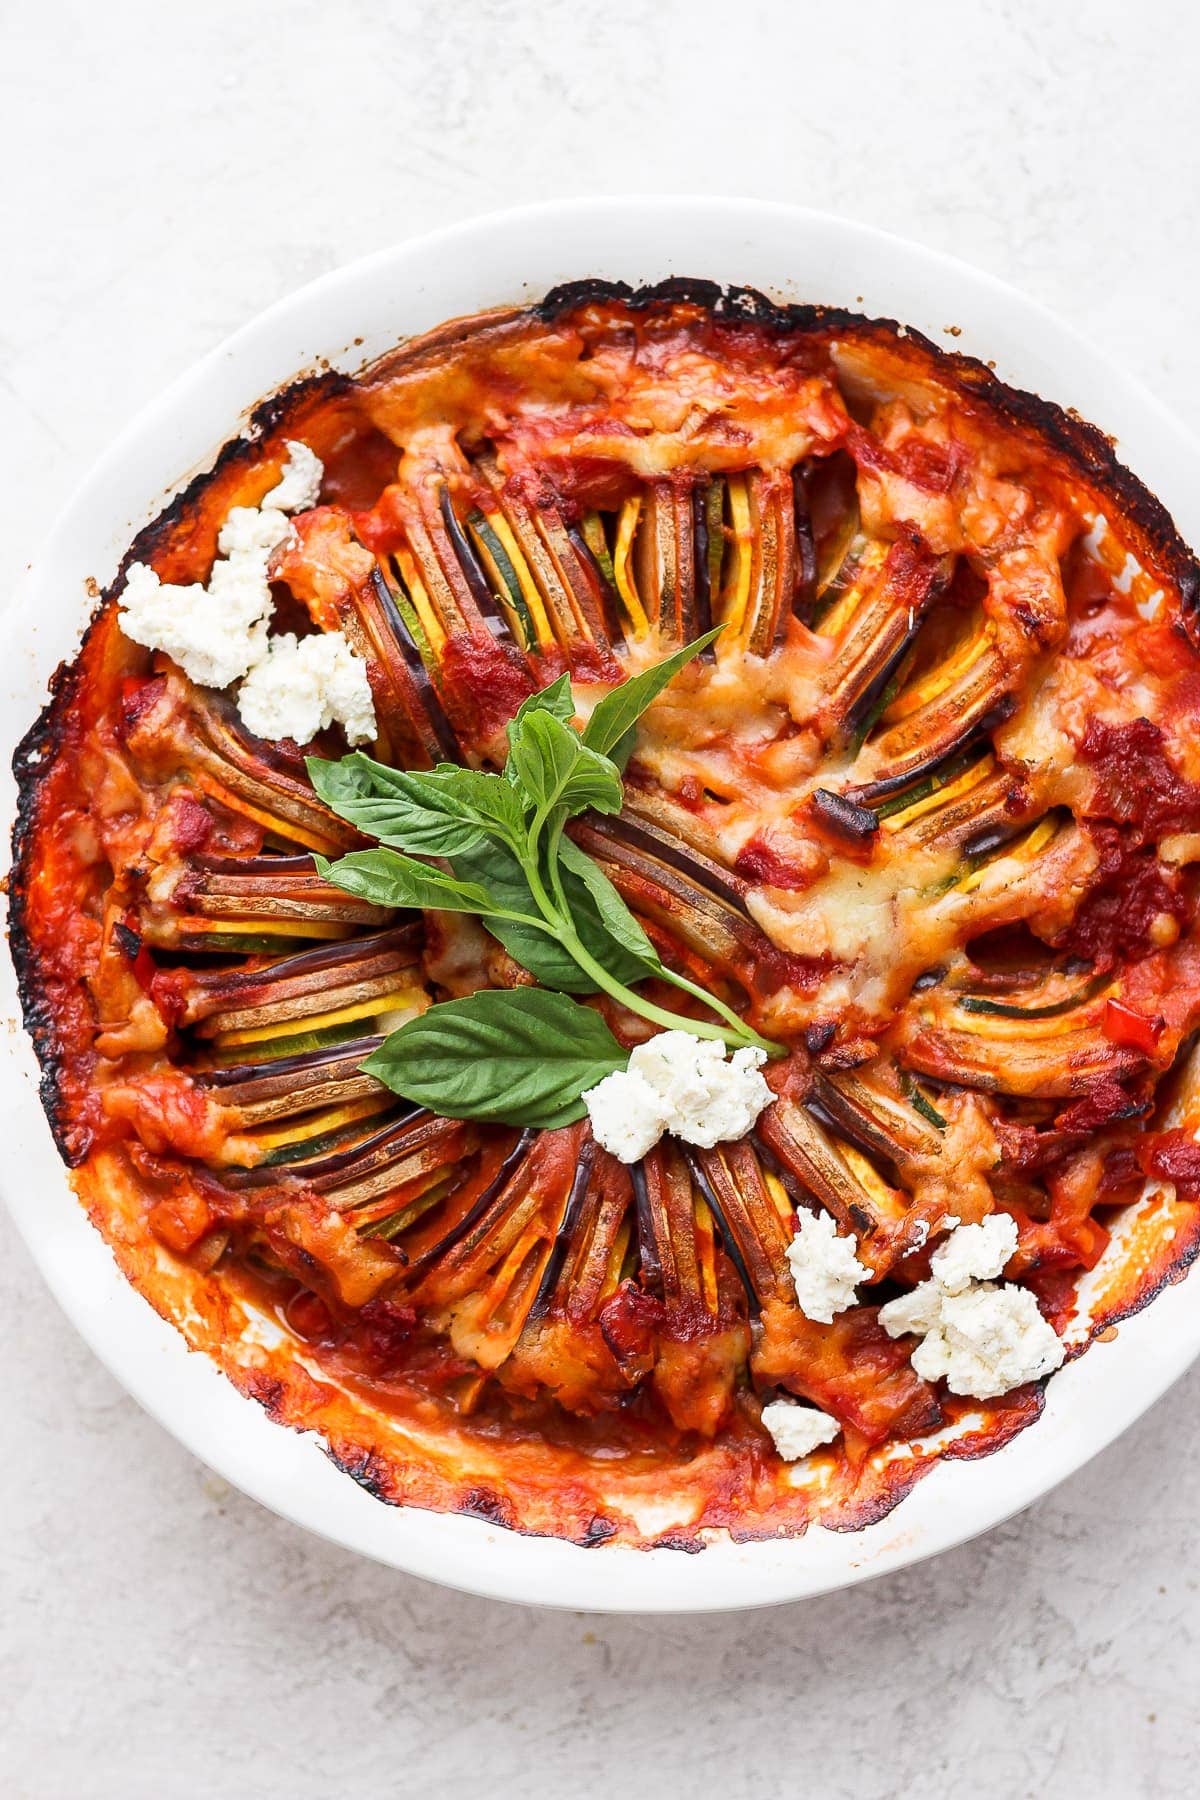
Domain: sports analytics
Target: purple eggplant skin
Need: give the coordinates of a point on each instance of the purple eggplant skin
(651, 1268)
(469, 563)
(331, 1163)
(565, 1234)
(845, 816)
(984, 842)
(309, 1062)
(805, 593)
(730, 1243)
(826, 1103)
(685, 861)
(447, 743)
(888, 785)
(609, 609)
(471, 1218)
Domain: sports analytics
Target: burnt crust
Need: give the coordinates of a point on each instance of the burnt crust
(39, 747)
(1088, 451)
(1086, 447)
(32, 757)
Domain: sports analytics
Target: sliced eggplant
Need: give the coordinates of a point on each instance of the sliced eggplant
(567, 582)
(364, 979)
(284, 1086)
(874, 621)
(221, 904)
(686, 905)
(193, 735)
(941, 709)
(836, 1173)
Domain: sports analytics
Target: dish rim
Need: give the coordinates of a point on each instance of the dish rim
(287, 1472)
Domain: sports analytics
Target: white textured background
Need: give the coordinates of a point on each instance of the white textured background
(168, 170)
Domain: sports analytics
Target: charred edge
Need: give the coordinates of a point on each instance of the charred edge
(1083, 444)
(267, 417)
(599, 1531)
(32, 758)
(844, 816)
(485, 1503)
(367, 1468)
(269, 1392)
(1004, 1424)
(1174, 1271)
(41, 744)
(678, 1540)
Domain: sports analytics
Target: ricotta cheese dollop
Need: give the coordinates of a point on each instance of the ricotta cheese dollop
(217, 632)
(214, 633)
(303, 685)
(975, 1253)
(824, 1268)
(987, 1340)
(798, 1430)
(299, 484)
(980, 1338)
(682, 1084)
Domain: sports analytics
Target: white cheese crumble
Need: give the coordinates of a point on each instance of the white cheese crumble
(987, 1340)
(217, 633)
(303, 685)
(299, 482)
(798, 1430)
(914, 1312)
(682, 1084)
(824, 1267)
(980, 1338)
(627, 1115)
(291, 687)
(247, 531)
(975, 1253)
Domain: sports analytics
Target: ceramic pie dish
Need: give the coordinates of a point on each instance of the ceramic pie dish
(1150, 1244)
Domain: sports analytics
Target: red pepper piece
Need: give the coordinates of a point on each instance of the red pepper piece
(1124, 1025)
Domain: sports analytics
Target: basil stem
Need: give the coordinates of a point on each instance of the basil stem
(736, 1033)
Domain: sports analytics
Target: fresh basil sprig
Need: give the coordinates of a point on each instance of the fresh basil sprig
(553, 908)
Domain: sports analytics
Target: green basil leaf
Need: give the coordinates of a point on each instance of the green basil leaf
(542, 955)
(386, 878)
(513, 1056)
(553, 768)
(613, 716)
(606, 925)
(432, 813)
(555, 699)
(624, 748)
